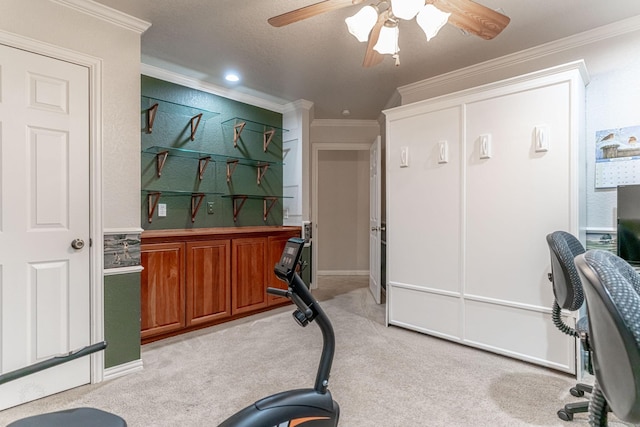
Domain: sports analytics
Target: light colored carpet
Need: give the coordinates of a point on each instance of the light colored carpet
(382, 376)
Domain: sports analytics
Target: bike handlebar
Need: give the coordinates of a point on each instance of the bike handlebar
(302, 306)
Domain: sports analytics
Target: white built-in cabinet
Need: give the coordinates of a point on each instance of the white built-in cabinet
(475, 181)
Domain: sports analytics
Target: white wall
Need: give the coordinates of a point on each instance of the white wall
(343, 188)
(119, 50)
(610, 54)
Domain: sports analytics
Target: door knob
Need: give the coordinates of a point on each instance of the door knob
(77, 244)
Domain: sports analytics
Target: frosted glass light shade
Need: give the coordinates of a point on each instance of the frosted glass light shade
(388, 41)
(431, 19)
(361, 23)
(406, 9)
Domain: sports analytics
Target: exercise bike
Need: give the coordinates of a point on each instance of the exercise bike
(312, 407)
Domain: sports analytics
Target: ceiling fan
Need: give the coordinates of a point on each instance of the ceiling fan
(378, 23)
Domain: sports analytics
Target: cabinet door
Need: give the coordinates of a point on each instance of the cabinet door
(208, 281)
(249, 278)
(162, 288)
(276, 246)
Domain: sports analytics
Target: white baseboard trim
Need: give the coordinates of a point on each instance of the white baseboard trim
(343, 272)
(121, 370)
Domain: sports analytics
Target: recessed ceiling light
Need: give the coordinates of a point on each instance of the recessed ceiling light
(232, 77)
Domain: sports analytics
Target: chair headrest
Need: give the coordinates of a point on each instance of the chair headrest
(612, 289)
(567, 286)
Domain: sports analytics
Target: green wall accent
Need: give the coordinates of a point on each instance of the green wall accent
(122, 318)
(172, 129)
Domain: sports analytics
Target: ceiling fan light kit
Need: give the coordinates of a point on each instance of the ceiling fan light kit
(406, 9)
(361, 24)
(431, 19)
(388, 40)
(378, 24)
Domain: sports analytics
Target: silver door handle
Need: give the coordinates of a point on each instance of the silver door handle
(77, 244)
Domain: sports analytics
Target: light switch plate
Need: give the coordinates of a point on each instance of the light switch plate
(404, 157)
(541, 138)
(443, 152)
(485, 146)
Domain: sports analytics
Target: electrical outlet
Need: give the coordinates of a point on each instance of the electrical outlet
(209, 207)
(162, 209)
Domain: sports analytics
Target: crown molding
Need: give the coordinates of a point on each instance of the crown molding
(615, 29)
(106, 14)
(300, 104)
(394, 100)
(193, 83)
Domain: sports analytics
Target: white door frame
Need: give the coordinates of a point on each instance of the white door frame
(315, 150)
(375, 221)
(94, 66)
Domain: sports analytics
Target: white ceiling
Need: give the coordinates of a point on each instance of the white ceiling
(318, 60)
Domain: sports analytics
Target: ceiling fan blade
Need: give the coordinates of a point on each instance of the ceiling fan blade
(473, 17)
(373, 57)
(310, 11)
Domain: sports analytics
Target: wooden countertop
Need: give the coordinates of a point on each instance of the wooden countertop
(196, 233)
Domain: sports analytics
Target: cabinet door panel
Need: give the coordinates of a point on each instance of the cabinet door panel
(162, 288)
(249, 279)
(208, 281)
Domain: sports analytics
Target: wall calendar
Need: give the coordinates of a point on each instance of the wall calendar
(617, 157)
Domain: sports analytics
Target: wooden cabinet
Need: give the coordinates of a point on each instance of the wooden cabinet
(249, 274)
(200, 277)
(162, 288)
(208, 281)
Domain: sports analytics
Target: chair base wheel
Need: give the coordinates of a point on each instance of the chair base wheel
(576, 392)
(564, 415)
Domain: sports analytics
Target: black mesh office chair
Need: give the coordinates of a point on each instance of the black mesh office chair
(567, 288)
(612, 290)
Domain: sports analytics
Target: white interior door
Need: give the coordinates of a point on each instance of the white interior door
(44, 206)
(374, 220)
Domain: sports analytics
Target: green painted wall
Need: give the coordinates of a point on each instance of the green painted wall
(172, 128)
(122, 318)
